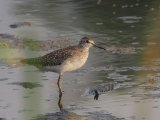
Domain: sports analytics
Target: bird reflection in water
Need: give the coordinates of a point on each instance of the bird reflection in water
(60, 105)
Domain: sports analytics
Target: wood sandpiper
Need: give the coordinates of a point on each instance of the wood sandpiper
(64, 60)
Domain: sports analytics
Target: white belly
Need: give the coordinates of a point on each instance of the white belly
(68, 65)
(73, 64)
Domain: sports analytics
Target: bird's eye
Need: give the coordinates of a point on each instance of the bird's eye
(87, 41)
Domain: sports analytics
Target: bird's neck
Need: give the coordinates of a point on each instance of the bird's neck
(85, 47)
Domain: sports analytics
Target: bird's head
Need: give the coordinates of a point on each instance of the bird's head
(87, 42)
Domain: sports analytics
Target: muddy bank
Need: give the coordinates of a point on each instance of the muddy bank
(98, 115)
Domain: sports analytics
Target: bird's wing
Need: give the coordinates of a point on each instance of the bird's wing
(53, 58)
(57, 57)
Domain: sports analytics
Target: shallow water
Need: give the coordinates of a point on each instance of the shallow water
(127, 29)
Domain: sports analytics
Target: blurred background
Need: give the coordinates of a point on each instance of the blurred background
(128, 29)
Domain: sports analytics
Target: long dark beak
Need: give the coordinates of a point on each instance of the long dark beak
(98, 46)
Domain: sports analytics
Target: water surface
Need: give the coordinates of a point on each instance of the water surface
(27, 92)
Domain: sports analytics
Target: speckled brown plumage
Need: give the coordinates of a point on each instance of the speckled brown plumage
(56, 57)
(63, 60)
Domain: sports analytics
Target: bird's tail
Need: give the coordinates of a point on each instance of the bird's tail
(13, 62)
(31, 61)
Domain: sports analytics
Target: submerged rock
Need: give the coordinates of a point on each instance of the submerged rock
(3, 119)
(6, 36)
(101, 115)
(66, 115)
(29, 85)
(19, 24)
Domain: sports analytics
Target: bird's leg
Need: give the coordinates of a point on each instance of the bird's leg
(59, 84)
(60, 93)
(60, 105)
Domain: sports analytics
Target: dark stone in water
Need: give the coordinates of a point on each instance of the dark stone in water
(66, 115)
(19, 24)
(3, 119)
(6, 36)
(29, 85)
(101, 115)
(3, 79)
